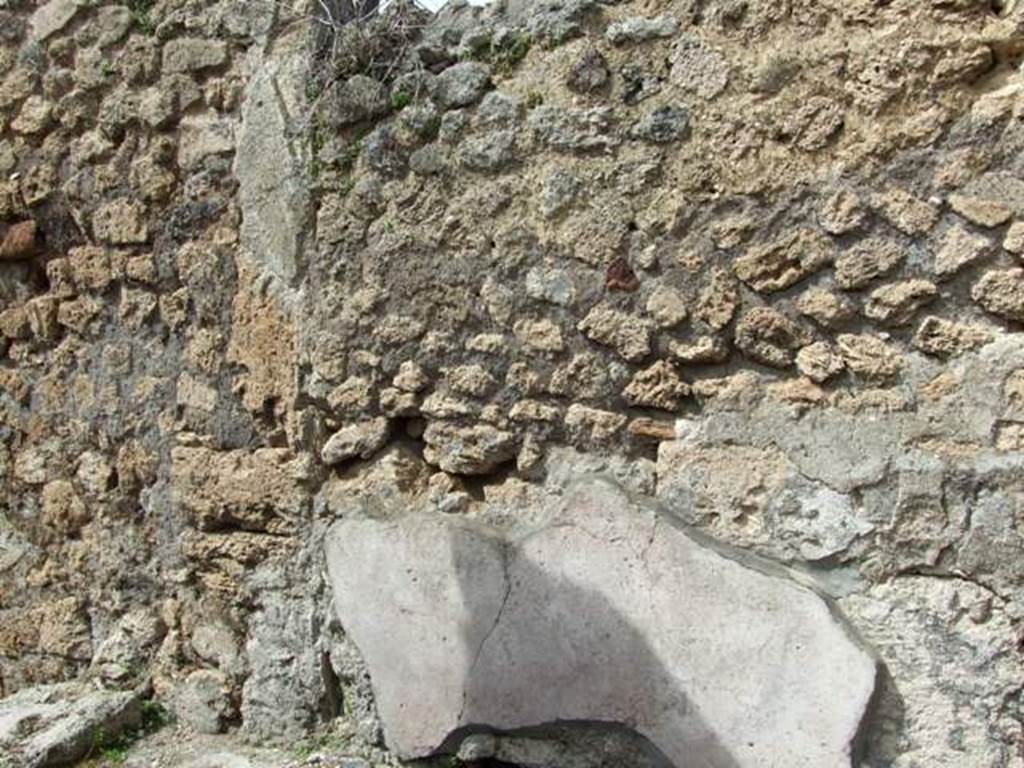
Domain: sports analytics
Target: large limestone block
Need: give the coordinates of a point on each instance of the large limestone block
(606, 613)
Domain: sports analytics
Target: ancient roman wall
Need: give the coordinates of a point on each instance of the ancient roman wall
(757, 263)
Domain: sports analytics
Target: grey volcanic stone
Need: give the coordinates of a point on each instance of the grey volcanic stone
(663, 125)
(460, 85)
(605, 613)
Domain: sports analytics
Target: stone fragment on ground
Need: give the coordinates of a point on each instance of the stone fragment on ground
(56, 725)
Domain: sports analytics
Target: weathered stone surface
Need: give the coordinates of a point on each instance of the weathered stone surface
(356, 99)
(475, 450)
(1001, 292)
(769, 337)
(829, 309)
(58, 724)
(589, 73)
(592, 425)
(19, 242)
(186, 54)
(574, 129)
(907, 213)
(897, 303)
(937, 336)
(628, 335)
(52, 17)
(841, 213)
(270, 167)
(866, 261)
(667, 306)
(460, 85)
(202, 700)
(700, 69)
(248, 489)
(638, 29)
(785, 262)
(984, 213)
(869, 356)
(362, 439)
(706, 349)
(657, 387)
(663, 125)
(569, 623)
(819, 362)
(121, 222)
(959, 248)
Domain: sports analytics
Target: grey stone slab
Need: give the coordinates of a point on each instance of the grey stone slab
(58, 724)
(606, 613)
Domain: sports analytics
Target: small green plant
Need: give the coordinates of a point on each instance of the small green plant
(108, 70)
(432, 128)
(323, 742)
(513, 50)
(400, 100)
(140, 10)
(534, 99)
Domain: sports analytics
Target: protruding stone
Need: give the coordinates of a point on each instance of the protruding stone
(628, 335)
(51, 18)
(189, 54)
(460, 85)
(475, 450)
(867, 261)
(539, 335)
(1001, 292)
(826, 308)
(977, 210)
(769, 337)
(363, 440)
(896, 304)
(1014, 240)
(19, 242)
(702, 350)
(663, 125)
(121, 222)
(657, 387)
(819, 362)
(58, 724)
(945, 338)
(589, 73)
(606, 612)
(667, 306)
(959, 248)
(870, 357)
(591, 425)
(639, 29)
(908, 214)
(784, 262)
(841, 213)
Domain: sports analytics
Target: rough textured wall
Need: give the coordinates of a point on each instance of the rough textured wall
(758, 260)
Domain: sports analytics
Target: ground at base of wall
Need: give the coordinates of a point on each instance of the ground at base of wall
(179, 747)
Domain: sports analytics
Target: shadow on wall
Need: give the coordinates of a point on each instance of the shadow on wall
(563, 677)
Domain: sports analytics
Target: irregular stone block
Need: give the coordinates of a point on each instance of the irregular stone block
(605, 613)
(638, 29)
(59, 724)
(243, 489)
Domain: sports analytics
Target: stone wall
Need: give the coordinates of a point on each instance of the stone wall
(759, 262)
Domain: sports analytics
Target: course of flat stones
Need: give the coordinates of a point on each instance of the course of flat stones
(551, 384)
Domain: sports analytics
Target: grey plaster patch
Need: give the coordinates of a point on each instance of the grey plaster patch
(605, 613)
